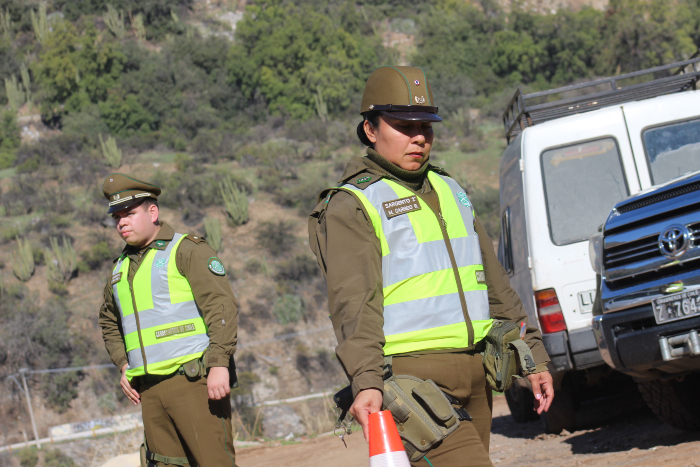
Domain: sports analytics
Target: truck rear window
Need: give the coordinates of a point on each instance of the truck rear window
(582, 184)
(672, 150)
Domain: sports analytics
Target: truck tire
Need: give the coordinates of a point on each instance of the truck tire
(674, 402)
(562, 413)
(520, 402)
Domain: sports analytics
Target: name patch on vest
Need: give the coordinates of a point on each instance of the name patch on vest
(480, 277)
(116, 278)
(175, 330)
(401, 206)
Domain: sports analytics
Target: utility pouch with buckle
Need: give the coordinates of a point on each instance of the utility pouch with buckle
(505, 355)
(423, 413)
(150, 459)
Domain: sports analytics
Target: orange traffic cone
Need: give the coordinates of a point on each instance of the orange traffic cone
(385, 446)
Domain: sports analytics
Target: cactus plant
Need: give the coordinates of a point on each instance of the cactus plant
(111, 152)
(6, 24)
(115, 21)
(15, 93)
(137, 27)
(61, 261)
(321, 107)
(26, 83)
(235, 202)
(212, 228)
(23, 260)
(40, 23)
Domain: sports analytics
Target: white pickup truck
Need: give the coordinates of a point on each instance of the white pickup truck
(573, 153)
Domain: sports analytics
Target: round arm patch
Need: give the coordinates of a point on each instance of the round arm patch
(216, 266)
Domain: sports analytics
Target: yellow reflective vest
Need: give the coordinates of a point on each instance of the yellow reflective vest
(435, 294)
(162, 326)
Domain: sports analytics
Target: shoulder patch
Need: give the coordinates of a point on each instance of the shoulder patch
(216, 266)
(364, 179)
(160, 243)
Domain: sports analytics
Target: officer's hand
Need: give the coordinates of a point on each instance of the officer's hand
(128, 388)
(543, 389)
(367, 401)
(218, 383)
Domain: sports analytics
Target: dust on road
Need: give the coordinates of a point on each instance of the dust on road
(621, 432)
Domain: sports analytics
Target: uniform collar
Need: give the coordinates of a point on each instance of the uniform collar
(165, 236)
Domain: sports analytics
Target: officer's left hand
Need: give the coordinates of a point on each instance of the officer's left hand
(543, 389)
(218, 383)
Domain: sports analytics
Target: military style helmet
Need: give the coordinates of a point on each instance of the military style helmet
(400, 92)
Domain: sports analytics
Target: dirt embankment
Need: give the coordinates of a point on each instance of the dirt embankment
(617, 432)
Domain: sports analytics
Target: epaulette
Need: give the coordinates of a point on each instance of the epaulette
(196, 239)
(439, 170)
(362, 179)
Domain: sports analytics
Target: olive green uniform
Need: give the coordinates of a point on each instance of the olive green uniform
(349, 253)
(179, 418)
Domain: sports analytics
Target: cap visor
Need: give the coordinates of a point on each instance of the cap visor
(413, 116)
(127, 205)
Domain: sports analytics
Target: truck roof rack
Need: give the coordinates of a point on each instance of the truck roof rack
(525, 110)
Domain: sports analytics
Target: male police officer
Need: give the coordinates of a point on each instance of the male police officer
(170, 321)
(410, 271)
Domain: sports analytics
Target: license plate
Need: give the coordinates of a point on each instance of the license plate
(585, 301)
(677, 306)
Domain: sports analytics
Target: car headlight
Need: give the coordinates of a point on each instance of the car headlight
(595, 252)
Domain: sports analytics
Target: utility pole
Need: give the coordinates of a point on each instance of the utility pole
(22, 371)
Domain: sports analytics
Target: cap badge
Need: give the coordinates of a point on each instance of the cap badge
(420, 100)
(417, 82)
(116, 197)
(111, 179)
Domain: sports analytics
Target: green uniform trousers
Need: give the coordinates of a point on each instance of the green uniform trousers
(462, 376)
(181, 421)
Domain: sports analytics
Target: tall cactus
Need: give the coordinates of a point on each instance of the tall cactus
(15, 93)
(321, 107)
(23, 260)
(26, 83)
(40, 23)
(235, 202)
(61, 261)
(115, 21)
(138, 27)
(111, 152)
(6, 24)
(212, 228)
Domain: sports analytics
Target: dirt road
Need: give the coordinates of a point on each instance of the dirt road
(615, 433)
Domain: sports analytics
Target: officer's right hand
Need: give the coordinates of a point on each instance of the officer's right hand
(367, 401)
(128, 388)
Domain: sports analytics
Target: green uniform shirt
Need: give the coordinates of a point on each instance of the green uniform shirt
(212, 293)
(349, 253)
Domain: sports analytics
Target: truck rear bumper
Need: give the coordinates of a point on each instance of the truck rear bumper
(629, 342)
(574, 350)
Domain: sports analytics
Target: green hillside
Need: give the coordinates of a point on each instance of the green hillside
(256, 101)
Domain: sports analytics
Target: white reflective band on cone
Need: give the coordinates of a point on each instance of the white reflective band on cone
(390, 459)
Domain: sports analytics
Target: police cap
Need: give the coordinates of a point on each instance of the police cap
(123, 191)
(400, 92)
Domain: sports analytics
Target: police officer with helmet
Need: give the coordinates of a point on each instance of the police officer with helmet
(170, 321)
(414, 285)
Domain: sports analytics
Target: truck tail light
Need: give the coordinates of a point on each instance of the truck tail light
(549, 311)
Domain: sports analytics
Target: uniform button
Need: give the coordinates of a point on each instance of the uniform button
(422, 442)
(401, 428)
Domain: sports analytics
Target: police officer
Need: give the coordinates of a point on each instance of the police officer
(170, 321)
(410, 270)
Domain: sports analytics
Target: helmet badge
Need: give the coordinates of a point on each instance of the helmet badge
(420, 100)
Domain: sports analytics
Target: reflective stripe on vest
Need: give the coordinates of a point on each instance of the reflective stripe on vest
(167, 326)
(422, 306)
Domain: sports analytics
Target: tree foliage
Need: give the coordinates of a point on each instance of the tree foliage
(288, 52)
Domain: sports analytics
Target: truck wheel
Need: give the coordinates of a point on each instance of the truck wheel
(674, 402)
(562, 413)
(520, 402)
